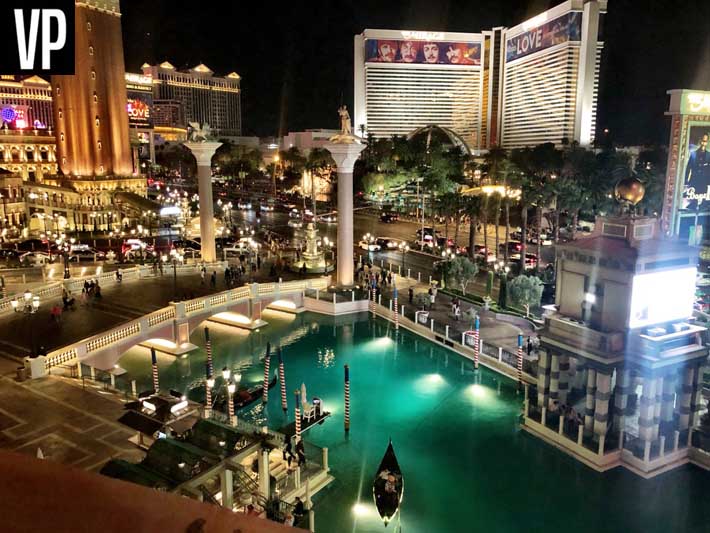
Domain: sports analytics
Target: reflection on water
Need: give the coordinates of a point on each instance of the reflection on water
(326, 357)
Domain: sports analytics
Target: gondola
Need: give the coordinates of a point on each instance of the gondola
(388, 487)
(243, 397)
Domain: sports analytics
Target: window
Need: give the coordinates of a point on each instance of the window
(59, 90)
(93, 74)
(91, 50)
(61, 136)
(88, 26)
(97, 121)
(99, 144)
(96, 98)
(101, 169)
(61, 113)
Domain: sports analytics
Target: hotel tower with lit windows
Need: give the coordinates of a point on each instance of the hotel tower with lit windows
(512, 87)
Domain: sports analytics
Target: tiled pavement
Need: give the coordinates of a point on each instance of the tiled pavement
(66, 423)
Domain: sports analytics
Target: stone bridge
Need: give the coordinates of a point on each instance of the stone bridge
(171, 326)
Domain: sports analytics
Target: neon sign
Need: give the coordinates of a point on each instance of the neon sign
(698, 102)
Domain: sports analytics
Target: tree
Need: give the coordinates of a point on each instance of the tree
(473, 207)
(459, 271)
(525, 291)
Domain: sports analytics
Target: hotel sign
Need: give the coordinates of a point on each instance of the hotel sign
(697, 103)
(563, 29)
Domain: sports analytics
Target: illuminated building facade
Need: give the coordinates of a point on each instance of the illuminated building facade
(205, 98)
(90, 106)
(533, 83)
(26, 102)
(140, 109)
(405, 80)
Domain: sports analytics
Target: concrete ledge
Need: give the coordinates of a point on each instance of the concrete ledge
(326, 307)
(699, 458)
(286, 309)
(169, 347)
(657, 466)
(226, 321)
(600, 463)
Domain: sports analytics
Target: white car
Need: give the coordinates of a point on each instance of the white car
(244, 205)
(702, 279)
(266, 207)
(330, 219)
(35, 258)
(295, 223)
(369, 246)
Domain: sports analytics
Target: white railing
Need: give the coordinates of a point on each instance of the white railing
(142, 327)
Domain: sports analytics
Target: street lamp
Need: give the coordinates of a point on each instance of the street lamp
(404, 248)
(502, 270)
(29, 305)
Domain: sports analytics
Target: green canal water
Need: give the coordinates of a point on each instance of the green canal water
(467, 465)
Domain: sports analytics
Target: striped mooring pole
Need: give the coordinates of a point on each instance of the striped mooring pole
(396, 309)
(347, 398)
(298, 414)
(231, 389)
(476, 343)
(282, 379)
(373, 293)
(520, 360)
(208, 349)
(154, 361)
(209, 383)
(267, 373)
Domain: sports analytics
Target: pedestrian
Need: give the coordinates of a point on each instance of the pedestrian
(431, 298)
(301, 452)
(213, 279)
(288, 453)
(84, 297)
(258, 262)
(227, 276)
(299, 510)
(97, 291)
(161, 268)
(203, 273)
(56, 313)
(411, 295)
(389, 278)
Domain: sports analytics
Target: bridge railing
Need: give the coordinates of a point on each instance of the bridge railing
(142, 327)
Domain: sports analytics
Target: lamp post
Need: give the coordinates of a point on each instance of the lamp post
(29, 305)
(502, 270)
(404, 248)
(447, 255)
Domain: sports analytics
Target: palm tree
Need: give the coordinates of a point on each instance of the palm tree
(474, 209)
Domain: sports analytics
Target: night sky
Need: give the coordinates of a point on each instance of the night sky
(296, 59)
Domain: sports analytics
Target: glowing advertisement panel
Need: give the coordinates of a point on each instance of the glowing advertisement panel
(568, 27)
(662, 296)
(422, 52)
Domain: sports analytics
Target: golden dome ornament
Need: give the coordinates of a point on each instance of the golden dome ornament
(629, 191)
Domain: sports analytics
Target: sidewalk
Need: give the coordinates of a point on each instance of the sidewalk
(492, 331)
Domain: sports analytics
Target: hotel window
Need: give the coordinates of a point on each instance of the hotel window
(97, 121)
(59, 90)
(93, 74)
(101, 169)
(99, 144)
(91, 50)
(88, 26)
(61, 113)
(61, 136)
(96, 98)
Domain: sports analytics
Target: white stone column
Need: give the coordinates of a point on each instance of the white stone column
(647, 409)
(685, 397)
(669, 386)
(589, 402)
(345, 155)
(564, 378)
(601, 407)
(657, 407)
(203, 152)
(227, 487)
(623, 387)
(543, 379)
(554, 377)
(264, 479)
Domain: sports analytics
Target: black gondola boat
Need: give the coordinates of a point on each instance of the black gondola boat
(388, 487)
(243, 397)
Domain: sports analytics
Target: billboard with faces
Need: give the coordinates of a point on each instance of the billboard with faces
(422, 52)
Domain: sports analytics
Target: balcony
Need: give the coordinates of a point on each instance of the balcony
(576, 336)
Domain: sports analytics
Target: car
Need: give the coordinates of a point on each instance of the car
(330, 218)
(243, 205)
(31, 245)
(702, 279)
(37, 259)
(83, 252)
(266, 207)
(295, 223)
(480, 253)
(9, 254)
(389, 218)
(513, 248)
(390, 243)
(294, 213)
(530, 260)
(187, 244)
(427, 244)
(428, 231)
(442, 242)
(369, 246)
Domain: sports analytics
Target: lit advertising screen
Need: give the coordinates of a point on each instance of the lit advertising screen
(140, 109)
(566, 28)
(696, 176)
(422, 52)
(662, 296)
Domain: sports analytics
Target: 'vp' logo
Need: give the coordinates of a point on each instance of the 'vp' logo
(44, 37)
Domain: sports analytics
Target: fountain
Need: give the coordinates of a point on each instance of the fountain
(313, 256)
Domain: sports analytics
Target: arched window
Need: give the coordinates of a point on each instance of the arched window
(97, 121)
(61, 136)
(91, 50)
(88, 26)
(96, 98)
(93, 74)
(61, 113)
(99, 144)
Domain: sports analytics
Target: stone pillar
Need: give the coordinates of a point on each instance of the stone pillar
(554, 377)
(657, 407)
(589, 404)
(623, 387)
(203, 152)
(601, 407)
(345, 154)
(696, 397)
(564, 378)
(543, 378)
(647, 409)
(227, 486)
(580, 376)
(685, 396)
(263, 464)
(669, 385)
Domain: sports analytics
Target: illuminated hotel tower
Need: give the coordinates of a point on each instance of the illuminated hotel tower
(90, 106)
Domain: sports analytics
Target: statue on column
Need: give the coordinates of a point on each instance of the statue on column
(346, 130)
(200, 133)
